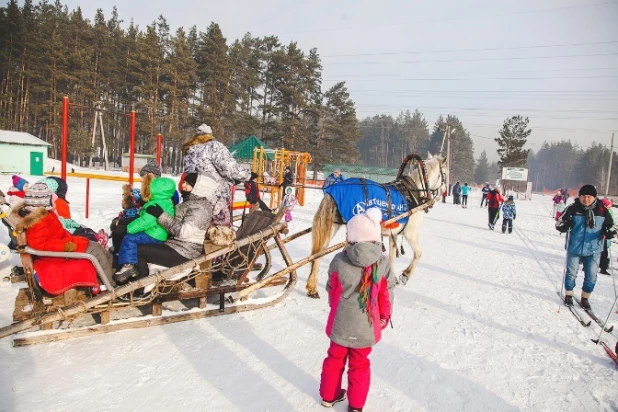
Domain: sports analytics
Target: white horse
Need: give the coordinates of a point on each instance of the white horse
(325, 221)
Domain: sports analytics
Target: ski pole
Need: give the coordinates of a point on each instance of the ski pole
(611, 268)
(598, 339)
(564, 269)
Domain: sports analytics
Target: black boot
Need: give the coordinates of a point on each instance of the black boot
(585, 304)
(568, 300)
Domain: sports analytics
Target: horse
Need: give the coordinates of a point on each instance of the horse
(420, 186)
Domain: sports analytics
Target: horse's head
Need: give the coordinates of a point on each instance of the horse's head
(436, 168)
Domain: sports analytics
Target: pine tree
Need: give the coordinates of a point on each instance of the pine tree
(481, 173)
(513, 137)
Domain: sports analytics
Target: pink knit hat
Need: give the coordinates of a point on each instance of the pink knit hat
(365, 227)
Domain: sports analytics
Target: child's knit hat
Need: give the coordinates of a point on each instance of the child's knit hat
(365, 227)
(38, 195)
(19, 182)
(511, 198)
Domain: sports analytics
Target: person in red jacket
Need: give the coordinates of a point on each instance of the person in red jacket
(494, 202)
(44, 231)
(252, 193)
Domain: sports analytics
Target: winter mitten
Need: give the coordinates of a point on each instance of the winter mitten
(154, 210)
(70, 247)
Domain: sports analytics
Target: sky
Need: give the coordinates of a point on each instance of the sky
(555, 62)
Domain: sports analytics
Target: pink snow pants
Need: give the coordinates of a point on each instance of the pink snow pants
(359, 374)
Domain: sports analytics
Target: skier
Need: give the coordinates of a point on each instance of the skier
(465, 191)
(587, 221)
(485, 190)
(456, 193)
(509, 213)
(494, 201)
(604, 260)
(360, 294)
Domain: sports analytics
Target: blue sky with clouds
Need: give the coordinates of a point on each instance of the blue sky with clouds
(553, 61)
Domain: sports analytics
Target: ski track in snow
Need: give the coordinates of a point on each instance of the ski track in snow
(477, 328)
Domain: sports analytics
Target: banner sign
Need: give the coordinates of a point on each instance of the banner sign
(515, 173)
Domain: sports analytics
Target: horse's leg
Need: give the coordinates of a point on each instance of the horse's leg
(324, 228)
(411, 233)
(392, 249)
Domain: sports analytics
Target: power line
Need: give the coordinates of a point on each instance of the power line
(475, 78)
(474, 60)
(471, 50)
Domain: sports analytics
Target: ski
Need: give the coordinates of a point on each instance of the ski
(594, 318)
(575, 313)
(608, 350)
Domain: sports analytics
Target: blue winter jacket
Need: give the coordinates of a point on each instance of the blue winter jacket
(509, 211)
(585, 241)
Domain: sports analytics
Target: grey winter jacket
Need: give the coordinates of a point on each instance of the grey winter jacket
(191, 222)
(347, 324)
(213, 160)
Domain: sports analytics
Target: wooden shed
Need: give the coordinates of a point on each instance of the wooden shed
(22, 152)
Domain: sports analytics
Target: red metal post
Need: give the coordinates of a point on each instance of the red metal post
(65, 137)
(132, 147)
(87, 197)
(159, 141)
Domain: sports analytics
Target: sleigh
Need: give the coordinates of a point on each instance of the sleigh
(226, 279)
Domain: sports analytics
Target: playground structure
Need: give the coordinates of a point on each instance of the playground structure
(297, 161)
(99, 120)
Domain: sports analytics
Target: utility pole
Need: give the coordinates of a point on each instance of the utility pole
(609, 170)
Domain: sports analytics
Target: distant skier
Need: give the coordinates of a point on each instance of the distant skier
(465, 192)
(485, 190)
(494, 201)
(509, 213)
(456, 193)
(587, 221)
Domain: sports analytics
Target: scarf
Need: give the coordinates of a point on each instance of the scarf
(590, 222)
(368, 280)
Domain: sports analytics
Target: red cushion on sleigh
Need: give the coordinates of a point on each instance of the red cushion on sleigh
(57, 275)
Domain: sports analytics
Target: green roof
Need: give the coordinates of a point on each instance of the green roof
(244, 148)
(377, 174)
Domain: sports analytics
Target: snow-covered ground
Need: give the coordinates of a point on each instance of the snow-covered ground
(477, 328)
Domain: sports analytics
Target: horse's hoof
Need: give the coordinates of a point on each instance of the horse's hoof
(403, 279)
(314, 295)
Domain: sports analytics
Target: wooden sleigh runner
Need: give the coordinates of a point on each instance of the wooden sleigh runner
(175, 294)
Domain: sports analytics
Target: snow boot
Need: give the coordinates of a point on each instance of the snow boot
(125, 273)
(585, 304)
(604, 272)
(329, 404)
(568, 300)
(351, 409)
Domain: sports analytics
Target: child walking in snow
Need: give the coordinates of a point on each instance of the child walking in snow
(360, 295)
(560, 209)
(289, 201)
(509, 213)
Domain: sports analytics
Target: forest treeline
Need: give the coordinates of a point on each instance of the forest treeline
(174, 81)
(178, 80)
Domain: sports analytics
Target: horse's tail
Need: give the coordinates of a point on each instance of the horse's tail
(323, 224)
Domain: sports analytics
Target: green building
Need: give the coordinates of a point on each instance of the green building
(22, 153)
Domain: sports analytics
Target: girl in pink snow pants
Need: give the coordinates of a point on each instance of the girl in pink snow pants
(360, 295)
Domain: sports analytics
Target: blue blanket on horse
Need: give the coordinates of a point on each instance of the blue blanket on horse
(354, 196)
